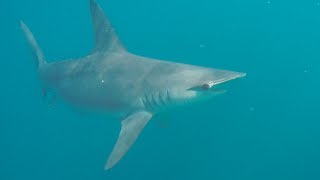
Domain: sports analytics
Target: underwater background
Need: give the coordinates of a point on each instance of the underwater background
(266, 127)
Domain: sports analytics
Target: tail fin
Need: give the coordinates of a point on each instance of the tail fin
(36, 51)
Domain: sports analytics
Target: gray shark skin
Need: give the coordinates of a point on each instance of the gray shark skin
(113, 80)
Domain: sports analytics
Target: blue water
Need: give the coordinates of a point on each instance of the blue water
(266, 127)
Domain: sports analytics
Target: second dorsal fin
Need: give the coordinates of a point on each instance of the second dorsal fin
(105, 37)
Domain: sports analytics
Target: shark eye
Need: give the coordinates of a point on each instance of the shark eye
(205, 86)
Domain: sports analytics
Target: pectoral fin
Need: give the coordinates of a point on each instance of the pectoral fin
(130, 130)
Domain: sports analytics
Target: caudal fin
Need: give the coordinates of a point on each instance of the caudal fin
(36, 51)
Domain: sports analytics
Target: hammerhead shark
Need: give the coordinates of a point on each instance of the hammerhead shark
(134, 88)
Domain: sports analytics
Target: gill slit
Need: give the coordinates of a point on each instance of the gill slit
(154, 101)
(168, 96)
(162, 100)
(144, 102)
(147, 102)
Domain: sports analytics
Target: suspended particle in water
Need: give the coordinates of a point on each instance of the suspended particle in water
(251, 109)
(202, 45)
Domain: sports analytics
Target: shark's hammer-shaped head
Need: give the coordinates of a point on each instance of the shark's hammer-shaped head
(213, 81)
(181, 84)
(208, 84)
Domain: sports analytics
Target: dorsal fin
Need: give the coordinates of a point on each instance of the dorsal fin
(105, 37)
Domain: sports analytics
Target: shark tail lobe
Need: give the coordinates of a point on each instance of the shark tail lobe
(36, 51)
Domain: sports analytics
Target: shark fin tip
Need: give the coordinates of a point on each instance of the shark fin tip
(107, 167)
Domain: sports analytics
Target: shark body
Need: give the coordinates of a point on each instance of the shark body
(113, 80)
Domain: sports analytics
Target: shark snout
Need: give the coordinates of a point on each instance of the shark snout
(224, 77)
(216, 79)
